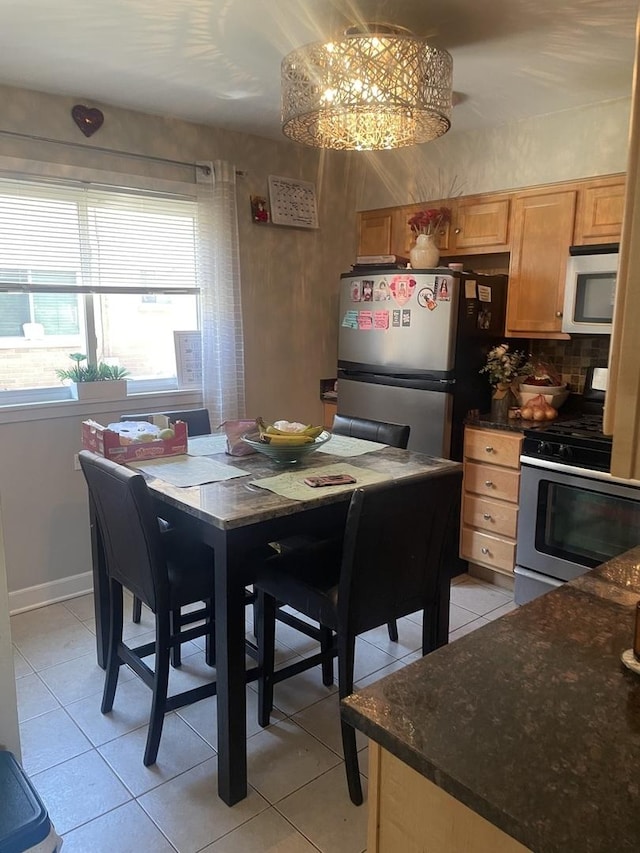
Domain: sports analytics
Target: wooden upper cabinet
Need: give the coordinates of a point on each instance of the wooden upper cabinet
(537, 226)
(477, 226)
(481, 225)
(542, 231)
(599, 213)
(374, 237)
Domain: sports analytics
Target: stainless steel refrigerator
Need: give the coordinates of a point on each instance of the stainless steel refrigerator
(411, 345)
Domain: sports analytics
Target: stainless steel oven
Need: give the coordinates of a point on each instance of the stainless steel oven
(571, 519)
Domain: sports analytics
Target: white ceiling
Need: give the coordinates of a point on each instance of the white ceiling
(217, 62)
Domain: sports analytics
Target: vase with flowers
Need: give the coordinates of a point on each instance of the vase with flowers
(506, 369)
(426, 225)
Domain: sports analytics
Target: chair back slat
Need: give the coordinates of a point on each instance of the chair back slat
(197, 420)
(129, 529)
(395, 435)
(398, 538)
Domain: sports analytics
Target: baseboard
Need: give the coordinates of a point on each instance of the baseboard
(48, 593)
(495, 577)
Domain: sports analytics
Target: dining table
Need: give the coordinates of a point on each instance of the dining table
(262, 502)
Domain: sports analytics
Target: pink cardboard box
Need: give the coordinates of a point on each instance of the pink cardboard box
(112, 446)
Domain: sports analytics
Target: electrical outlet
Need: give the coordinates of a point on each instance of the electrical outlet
(76, 462)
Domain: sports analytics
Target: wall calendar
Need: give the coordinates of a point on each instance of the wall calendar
(293, 202)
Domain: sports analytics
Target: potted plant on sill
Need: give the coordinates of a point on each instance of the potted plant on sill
(99, 381)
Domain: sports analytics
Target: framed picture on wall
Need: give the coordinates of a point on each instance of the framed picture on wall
(293, 202)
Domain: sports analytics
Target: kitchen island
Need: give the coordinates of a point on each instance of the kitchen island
(524, 735)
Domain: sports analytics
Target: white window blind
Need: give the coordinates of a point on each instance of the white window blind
(110, 239)
(107, 272)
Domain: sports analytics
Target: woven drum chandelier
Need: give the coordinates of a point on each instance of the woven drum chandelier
(378, 87)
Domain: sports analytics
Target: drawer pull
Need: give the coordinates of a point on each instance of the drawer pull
(488, 483)
(487, 516)
(485, 550)
(489, 449)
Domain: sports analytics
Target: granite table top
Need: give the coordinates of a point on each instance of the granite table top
(532, 721)
(236, 503)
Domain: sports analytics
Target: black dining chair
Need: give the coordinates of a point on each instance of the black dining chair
(164, 570)
(198, 423)
(395, 435)
(391, 562)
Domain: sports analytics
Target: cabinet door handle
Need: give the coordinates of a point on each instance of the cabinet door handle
(488, 483)
(485, 551)
(487, 516)
(458, 230)
(489, 449)
(558, 314)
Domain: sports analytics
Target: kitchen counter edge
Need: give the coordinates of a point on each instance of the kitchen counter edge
(476, 717)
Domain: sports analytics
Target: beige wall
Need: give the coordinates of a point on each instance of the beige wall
(557, 147)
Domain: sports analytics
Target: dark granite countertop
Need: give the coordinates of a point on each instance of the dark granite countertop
(486, 422)
(532, 721)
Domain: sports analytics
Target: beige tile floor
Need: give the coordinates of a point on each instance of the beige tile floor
(88, 767)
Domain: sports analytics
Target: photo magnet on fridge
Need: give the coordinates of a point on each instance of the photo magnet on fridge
(381, 291)
(442, 289)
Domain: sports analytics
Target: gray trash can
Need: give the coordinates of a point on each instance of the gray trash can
(24, 823)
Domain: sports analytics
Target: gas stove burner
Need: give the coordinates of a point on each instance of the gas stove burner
(590, 425)
(578, 442)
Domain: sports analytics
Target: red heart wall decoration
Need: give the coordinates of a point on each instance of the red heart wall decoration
(88, 119)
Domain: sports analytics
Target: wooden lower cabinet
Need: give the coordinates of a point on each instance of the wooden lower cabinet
(329, 410)
(491, 487)
(408, 813)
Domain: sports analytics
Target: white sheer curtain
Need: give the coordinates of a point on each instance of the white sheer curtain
(220, 303)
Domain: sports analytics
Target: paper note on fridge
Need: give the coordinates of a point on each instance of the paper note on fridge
(484, 293)
(470, 289)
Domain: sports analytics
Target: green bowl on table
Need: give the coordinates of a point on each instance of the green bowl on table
(283, 454)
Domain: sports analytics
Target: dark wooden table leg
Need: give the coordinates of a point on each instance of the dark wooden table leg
(230, 677)
(442, 617)
(100, 589)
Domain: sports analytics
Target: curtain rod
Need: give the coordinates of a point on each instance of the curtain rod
(205, 169)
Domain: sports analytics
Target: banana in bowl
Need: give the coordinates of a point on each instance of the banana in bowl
(286, 442)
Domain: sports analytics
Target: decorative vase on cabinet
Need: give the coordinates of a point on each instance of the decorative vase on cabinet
(502, 400)
(425, 253)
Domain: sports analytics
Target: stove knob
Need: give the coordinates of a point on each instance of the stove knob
(544, 447)
(565, 452)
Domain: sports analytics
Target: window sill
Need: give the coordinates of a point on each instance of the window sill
(75, 409)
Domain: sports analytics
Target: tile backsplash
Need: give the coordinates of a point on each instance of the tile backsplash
(573, 357)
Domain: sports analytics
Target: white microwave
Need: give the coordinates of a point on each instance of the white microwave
(590, 289)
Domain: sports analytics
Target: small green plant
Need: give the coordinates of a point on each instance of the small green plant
(99, 372)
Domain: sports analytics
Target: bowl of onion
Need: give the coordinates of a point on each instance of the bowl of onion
(541, 407)
(555, 396)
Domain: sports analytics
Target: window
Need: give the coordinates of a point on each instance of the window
(105, 272)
